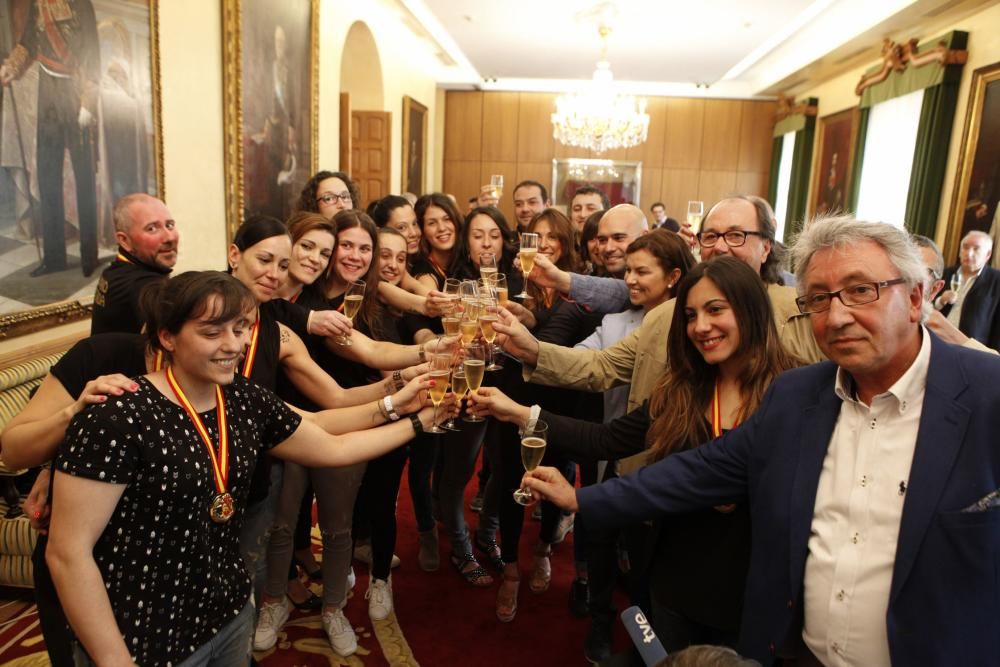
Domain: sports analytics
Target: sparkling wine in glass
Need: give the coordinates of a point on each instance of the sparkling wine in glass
(529, 247)
(487, 268)
(956, 281)
(695, 210)
(533, 439)
(475, 368)
(496, 182)
(352, 304)
(440, 373)
(487, 318)
(500, 288)
(459, 387)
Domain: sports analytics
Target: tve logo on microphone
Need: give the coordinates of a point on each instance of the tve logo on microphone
(642, 635)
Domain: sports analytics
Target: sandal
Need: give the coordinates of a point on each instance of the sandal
(477, 576)
(541, 577)
(507, 596)
(491, 550)
(315, 575)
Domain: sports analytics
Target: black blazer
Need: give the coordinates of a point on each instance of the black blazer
(981, 309)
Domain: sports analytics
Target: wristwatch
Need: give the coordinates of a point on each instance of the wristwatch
(415, 420)
(389, 409)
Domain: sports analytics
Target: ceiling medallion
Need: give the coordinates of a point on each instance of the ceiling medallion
(599, 118)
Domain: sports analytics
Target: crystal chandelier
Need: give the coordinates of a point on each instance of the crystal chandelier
(599, 118)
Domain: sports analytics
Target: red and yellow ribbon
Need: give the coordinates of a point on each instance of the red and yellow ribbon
(251, 355)
(220, 461)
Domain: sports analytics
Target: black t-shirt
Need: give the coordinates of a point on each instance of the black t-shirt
(116, 299)
(98, 355)
(174, 577)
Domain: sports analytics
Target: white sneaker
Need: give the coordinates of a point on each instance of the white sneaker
(351, 579)
(379, 598)
(271, 619)
(340, 633)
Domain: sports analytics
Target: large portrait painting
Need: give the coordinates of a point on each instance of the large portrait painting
(977, 187)
(271, 60)
(833, 166)
(79, 128)
(414, 145)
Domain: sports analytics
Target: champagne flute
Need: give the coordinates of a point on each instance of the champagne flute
(500, 289)
(475, 368)
(496, 182)
(440, 372)
(529, 246)
(487, 268)
(695, 210)
(352, 304)
(533, 438)
(459, 387)
(956, 281)
(487, 318)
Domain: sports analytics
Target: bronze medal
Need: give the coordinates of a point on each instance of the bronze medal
(222, 508)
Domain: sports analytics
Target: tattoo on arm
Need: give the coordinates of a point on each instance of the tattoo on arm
(285, 336)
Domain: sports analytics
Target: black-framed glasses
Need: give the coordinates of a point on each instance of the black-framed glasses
(734, 238)
(852, 295)
(331, 198)
(933, 274)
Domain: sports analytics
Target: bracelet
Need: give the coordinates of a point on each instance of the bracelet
(389, 409)
(381, 410)
(397, 377)
(422, 354)
(417, 426)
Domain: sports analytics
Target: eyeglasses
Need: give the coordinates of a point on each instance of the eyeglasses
(733, 238)
(330, 198)
(852, 295)
(933, 274)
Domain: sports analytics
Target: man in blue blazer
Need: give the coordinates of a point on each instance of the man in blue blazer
(975, 307)
(872, 479)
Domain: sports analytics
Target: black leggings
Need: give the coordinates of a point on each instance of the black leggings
(377, 500)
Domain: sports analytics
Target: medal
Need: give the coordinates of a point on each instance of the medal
(222, 507)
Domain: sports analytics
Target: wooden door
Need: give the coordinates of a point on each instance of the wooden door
(370, 156)
(345, 133)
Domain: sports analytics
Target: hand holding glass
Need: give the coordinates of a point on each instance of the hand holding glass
(533, 439)
(352, 304)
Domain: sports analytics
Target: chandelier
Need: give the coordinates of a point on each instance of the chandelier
(599, 118)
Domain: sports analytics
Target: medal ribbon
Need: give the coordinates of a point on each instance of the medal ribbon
(438, 269)
(717, 413)
(251, 355)
(220, 463)
(158, 361)
(122, 258)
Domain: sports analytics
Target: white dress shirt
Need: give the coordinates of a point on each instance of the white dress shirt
(955, 314)
(855, 527)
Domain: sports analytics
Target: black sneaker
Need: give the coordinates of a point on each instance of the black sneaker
(598, 644)
(579, 598)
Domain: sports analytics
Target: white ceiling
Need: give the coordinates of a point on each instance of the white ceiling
(717, 48)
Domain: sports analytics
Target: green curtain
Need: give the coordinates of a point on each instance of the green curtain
(772, 188)
(930, 155)
(859, 157)
(798, 189)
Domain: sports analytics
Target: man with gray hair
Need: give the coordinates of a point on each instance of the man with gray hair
(873, 479)
(971, 300)
(147, 251)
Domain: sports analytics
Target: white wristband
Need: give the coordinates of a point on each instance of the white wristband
(533, 413)
(389, 409)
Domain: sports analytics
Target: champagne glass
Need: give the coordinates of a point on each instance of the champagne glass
(451, 318)
(475, 368)
(695, 210)
(459, 387)
(440, 372)
(352, 304)
(487, 268)
(496, 182)
(529, 247)
(956, 281)
(487, 318)
(533, 438)
(500, 289)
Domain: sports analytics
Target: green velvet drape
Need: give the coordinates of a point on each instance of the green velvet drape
(772, 183)
(798, 189)
(858, 161)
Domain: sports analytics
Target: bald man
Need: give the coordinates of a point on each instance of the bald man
(975, 306)
(621, 225)
(147, 251)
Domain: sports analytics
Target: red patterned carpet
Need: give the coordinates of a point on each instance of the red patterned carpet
(439, 620)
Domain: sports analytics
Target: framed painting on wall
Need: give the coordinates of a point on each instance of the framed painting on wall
(977, 184)
(270, 79)
(414, 146)
(75, 136)
(832, 173)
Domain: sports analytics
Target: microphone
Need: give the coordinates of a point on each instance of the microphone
(643, 637)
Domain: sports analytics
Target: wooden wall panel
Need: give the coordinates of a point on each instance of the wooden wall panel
(651, 152)
(682, 140)
(500, 129)
(720, 137)
(679, 187)
(752, 183)
(650, 188)
(462, 179)
(532, 171)
(509, 172)
(714, 185)
(534, 137)
(755, 136)
(463, 135)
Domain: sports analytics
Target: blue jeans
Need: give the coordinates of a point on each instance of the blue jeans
(229, 648)
(423, 450)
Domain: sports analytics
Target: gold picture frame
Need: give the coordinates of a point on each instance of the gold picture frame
(977, 182)
(121, 40)
(832, 161)
(243, 192)
(414, 171)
